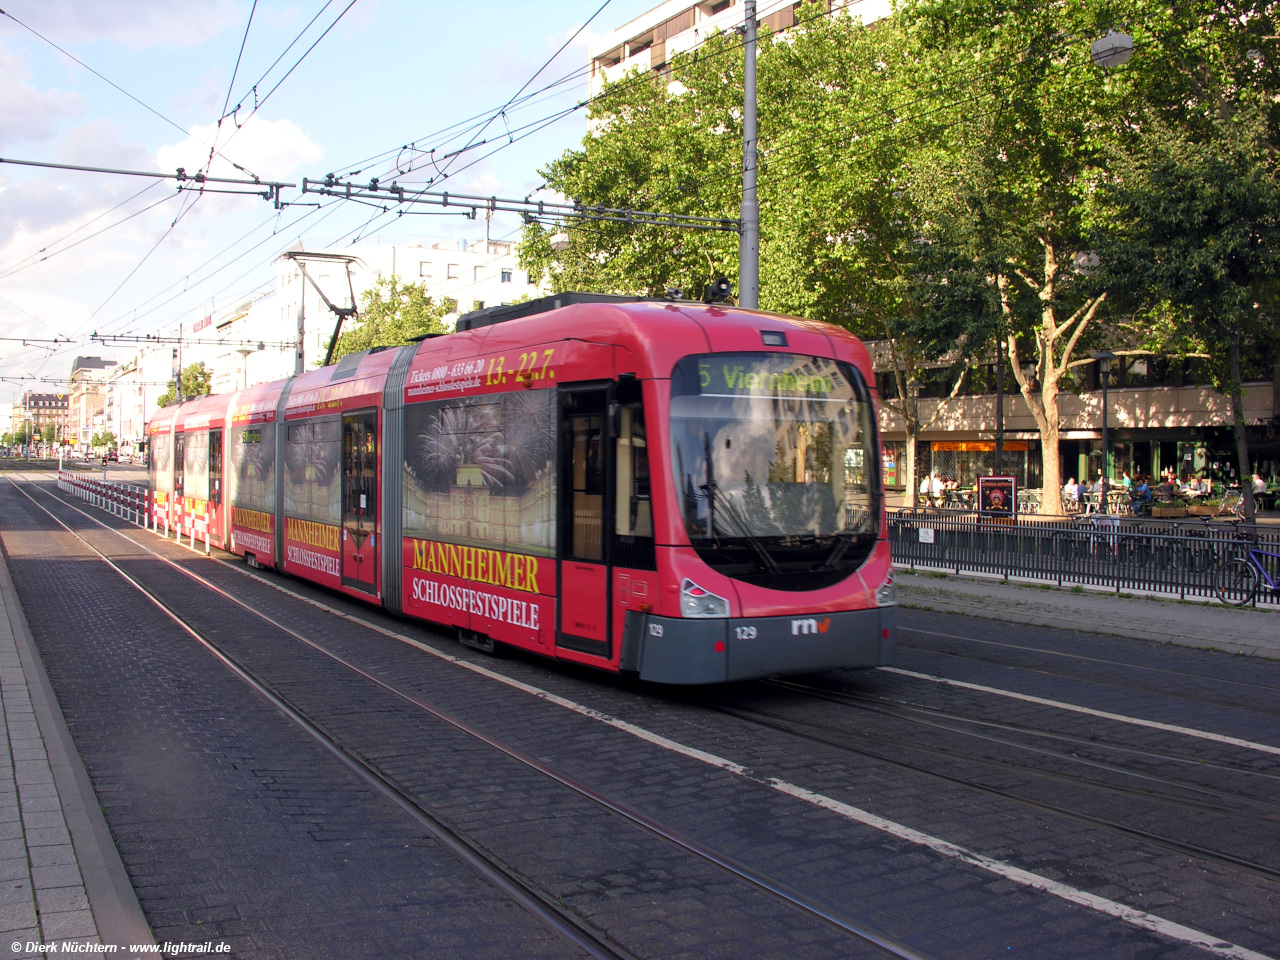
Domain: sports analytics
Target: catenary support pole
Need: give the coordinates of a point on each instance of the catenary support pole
(749, 244)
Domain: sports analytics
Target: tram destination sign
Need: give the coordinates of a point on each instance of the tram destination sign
(775, 375)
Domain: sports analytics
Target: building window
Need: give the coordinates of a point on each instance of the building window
(529, 279)
(424, 269)
(506, 276)
(451, 272)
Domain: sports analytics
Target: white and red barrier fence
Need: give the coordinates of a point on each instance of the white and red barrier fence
(129, 502)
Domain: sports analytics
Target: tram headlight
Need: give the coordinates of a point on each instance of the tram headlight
(697, 602)
(887, 592)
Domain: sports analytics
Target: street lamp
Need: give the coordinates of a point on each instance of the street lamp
(1104, 358)
(1113, 50)
(913, 391)
(244, 360)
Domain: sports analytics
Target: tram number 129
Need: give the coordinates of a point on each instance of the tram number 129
(746, 633)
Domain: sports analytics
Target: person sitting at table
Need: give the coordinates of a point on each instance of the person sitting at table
(1069, 491)
(1142, 491)
(1166, 489)
(1259, 485)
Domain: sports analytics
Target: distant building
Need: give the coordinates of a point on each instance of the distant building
(1162, 414)
(650, 40)
(285, 327)
(41, 410)
(87, 407)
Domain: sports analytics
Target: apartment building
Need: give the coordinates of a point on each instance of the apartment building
(285, 326)
(87, 402)
(650, 40)
(41, 410)
(1161, 414)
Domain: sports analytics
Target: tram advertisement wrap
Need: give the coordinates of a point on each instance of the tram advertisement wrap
(313, 547)
(253, 531)
(504, 595)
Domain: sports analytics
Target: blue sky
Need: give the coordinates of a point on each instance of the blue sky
(390, 72)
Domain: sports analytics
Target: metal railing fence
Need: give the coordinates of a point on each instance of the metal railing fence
(1100, 551)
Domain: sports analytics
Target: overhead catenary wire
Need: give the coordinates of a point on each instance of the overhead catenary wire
(26, 261)
(502, 110)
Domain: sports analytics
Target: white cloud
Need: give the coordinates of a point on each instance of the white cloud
(25, 112)
(137, 23)
(270, 148)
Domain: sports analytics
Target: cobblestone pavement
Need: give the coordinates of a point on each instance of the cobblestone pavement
(235, 825)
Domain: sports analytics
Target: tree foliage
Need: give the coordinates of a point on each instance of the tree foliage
(392, 313)
(949, 180)
(196, 382)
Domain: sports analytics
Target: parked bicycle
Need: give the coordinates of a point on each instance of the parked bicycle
(1236, 580)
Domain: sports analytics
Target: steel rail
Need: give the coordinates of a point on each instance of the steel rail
(1186, 698)
(897, 707)
(1181, 847)
(536, 903)
(781, 891)
(1087, 659)
(1263, 806)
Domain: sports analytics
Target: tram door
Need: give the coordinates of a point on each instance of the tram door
(584, 517)
(217, 526)
(179, 468)
(359, 500)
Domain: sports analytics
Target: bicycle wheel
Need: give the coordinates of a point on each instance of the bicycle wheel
(1235, 582)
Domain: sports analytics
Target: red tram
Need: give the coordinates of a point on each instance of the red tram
(685, 491)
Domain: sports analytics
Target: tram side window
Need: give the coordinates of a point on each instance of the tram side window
(179, 463)
(158, 462)
(633, 504)
(481, 471)
(312, 465)
(195, 465)
(215, 466)
(252, 475)
(587, 477)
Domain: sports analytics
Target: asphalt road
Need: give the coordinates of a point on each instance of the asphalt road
(1004, 790)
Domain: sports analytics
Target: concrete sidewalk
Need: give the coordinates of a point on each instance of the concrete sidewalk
(1188, 623)
(61, 879)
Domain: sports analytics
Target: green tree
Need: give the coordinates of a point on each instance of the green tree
(1188, 222)
(196, 382)
(1197, 236)
(50, 433)
(391, 314)
(841, 224)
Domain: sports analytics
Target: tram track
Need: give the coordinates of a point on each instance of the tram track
(1067, 655)
(1137, 688)
(934, 715)
(532, 898)
(1135, 917)
(840, 738)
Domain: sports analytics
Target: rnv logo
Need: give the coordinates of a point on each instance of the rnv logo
(809, 625)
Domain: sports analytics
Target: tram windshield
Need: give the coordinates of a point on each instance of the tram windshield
(776, 465)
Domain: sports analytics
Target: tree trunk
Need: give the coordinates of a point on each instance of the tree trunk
(1046, 415)
(912, 484)
(1242, 440)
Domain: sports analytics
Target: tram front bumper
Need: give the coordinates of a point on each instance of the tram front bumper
(675, 650)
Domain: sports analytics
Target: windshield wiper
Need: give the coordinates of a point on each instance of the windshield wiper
(838, 551)
(727, 506)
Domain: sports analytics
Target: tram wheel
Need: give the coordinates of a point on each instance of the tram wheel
(477, 641)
